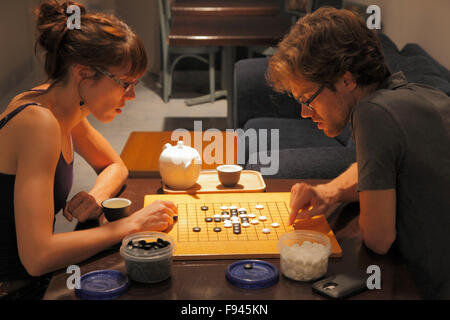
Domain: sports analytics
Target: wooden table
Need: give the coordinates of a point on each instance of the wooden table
(228, 32)
(225, 7)
(142, 150)
(205, 280)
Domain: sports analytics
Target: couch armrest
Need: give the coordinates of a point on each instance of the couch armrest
(253, 98)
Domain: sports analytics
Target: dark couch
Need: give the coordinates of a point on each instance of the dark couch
(304, 151)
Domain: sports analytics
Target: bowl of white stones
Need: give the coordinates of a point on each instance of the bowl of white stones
(304, 254)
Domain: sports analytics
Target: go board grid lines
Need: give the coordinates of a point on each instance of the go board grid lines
(191, 216)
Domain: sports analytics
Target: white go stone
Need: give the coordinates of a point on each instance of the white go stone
(217, 216)
(246, 224)
(232, 207)
(254, 221)
(251, 215)
(266, 230)
(227, 224)
(262, 218)
(223, 208)
(243, 215)
(275, 225)
(226, 216)
(259, 206)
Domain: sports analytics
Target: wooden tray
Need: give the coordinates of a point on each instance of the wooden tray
(208, 182)
(252, 242)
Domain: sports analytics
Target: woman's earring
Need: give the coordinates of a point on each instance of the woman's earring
(82, 102)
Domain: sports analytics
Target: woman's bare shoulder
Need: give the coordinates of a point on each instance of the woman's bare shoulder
(32, 120)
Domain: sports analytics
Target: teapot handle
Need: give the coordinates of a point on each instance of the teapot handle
(196, 160)
(167, 145)
(188, 164)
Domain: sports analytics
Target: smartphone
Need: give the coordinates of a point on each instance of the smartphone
(341, 286)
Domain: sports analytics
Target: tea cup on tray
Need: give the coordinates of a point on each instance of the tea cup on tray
(229, 174)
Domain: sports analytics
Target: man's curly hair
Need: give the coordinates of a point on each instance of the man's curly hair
(323, 46)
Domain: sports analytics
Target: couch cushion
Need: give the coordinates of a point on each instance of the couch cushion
(419, 69)
(253, 97)
(293, 133)
(310, 163)
(412, 49)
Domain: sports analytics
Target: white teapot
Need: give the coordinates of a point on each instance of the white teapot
(179, 166)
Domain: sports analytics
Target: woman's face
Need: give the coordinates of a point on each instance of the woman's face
(106, 98)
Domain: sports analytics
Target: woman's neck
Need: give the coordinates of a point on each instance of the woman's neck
(64, 102)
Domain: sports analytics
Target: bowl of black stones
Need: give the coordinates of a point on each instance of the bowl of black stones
(148, 256)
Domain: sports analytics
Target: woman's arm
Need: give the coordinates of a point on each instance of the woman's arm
(38, 150)
(111, 170)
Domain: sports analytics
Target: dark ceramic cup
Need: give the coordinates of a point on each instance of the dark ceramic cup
(116, 208)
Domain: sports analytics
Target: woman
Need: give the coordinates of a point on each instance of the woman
(92, 70)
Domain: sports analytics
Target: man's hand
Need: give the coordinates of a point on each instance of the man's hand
(82, 207)
(307, 201)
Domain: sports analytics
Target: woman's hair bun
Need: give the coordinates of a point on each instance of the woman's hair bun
(102, 41)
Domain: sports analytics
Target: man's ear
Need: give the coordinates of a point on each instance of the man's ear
(349, 81)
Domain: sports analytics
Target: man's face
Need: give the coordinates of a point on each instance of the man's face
(329, 109)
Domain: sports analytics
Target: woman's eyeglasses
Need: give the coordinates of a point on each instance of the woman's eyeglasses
(124, 84)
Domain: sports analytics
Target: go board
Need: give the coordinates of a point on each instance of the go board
(197, 239)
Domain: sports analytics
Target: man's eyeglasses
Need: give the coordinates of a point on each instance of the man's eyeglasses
(308, 102)
(124, 84)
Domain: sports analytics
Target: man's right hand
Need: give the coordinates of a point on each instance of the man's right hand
(307, 201)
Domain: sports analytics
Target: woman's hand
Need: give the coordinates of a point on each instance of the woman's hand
(157, 216)
(82, 207)
(307, 201)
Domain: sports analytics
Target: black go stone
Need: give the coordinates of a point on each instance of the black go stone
(217, 219)
(208, 219)
(204, 208)
(217, 229)
(196, 229)
(237, 231)
(225, 212)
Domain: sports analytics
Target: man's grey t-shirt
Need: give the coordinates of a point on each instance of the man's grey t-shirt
(402, 135)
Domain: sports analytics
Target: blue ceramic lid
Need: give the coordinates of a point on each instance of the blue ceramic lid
(252, 274)
(102, 285)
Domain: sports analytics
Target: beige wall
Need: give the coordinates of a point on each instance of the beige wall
(17, 38)
(142, 16)
(404, 21)
(417, 21)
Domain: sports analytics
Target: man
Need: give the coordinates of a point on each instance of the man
(334, 66)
